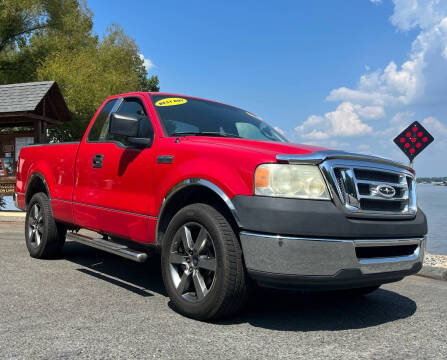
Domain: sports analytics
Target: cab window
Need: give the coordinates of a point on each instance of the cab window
(101, 122)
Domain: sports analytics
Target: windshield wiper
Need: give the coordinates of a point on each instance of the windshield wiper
(204, 133)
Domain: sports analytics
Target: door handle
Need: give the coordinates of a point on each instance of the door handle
(97, 161)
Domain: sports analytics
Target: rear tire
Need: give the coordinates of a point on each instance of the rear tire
(202, 264)
(45, 238)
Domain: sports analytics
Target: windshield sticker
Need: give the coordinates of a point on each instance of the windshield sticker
(171, 101)
(252, 115)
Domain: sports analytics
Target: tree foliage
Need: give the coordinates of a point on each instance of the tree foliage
(53, 40)
(20, 18)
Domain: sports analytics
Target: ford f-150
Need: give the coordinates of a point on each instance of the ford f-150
(225, 199)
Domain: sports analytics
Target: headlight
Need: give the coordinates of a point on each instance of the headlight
(290, 181)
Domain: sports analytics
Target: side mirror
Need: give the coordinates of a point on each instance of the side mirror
(135, 128)
(124, 125)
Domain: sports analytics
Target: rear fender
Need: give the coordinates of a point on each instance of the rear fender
(30, 186)
(42, 170)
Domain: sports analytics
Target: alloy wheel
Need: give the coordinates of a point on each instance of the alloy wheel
(35, 225)
(192, 262)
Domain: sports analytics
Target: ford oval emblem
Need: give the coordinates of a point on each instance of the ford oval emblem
(386, 191)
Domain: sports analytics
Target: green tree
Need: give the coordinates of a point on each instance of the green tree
(21, 20)
(98, 70)
(59, 45)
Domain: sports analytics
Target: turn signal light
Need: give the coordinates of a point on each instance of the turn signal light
(262, 177)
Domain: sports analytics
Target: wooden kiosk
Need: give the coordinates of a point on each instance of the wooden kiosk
(26, 111)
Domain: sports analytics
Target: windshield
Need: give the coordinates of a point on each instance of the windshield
(188, 116)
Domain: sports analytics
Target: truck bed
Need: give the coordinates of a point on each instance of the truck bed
(56, 164)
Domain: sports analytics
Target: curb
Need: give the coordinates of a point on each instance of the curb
(11, 219)
(433, 272)
(13, 216)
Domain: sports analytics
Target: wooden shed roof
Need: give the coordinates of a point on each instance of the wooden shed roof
(21, 104)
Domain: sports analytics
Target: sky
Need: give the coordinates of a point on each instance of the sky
(344, 74)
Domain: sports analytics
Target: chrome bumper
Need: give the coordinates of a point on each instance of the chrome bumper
(283, 255)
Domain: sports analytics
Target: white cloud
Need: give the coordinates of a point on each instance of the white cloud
(434, 126)
(409, 14)
(392, 86)
(316, 135)
(343, 122)
(147, 63)
(402, 118)
(376, 1)
(398, 122)
(370, 112)
(356, 96)
(311, 122)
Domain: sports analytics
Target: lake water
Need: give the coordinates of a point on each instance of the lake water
(431, 199)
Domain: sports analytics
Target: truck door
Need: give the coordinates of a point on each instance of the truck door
(112, 192)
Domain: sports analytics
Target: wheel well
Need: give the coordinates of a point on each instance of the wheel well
(36, 185)
(191, 195)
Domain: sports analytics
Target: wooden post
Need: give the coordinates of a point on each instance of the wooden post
(44, 123)
(37, 131)
(44, 132)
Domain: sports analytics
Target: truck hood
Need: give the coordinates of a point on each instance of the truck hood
(269, 148)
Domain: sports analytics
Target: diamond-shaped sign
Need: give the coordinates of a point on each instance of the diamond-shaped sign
(413, 140)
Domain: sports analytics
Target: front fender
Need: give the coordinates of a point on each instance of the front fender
(192, 182)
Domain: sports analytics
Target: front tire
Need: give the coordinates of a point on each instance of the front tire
(44, 237)
(202, 264)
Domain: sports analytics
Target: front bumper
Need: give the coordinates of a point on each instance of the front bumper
(319, 219)
(299, 262)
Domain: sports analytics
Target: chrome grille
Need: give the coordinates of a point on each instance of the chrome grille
(371, 188)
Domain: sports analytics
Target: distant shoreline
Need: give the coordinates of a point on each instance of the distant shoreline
(434, 183)
(435, 180)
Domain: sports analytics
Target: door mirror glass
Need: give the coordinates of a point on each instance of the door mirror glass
(124, 125)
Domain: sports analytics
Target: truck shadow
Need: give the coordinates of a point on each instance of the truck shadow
(141, 279)
(269, 309)
(307, 311)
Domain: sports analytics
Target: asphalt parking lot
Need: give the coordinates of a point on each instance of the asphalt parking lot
(90, 304)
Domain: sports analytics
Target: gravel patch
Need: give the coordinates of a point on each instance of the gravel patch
(435, 260)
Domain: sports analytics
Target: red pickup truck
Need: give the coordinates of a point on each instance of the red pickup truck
(225, 198)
